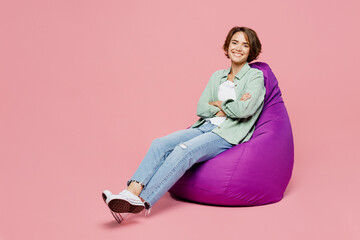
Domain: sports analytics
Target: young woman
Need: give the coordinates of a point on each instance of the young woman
(228, 108)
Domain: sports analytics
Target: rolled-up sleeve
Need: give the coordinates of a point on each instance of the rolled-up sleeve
(247, 108)
(204, 109)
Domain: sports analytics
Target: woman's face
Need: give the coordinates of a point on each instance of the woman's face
(239, 48)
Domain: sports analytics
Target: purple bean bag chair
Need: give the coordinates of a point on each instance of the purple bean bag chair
(255, 172)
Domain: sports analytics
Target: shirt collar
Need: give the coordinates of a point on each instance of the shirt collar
(239, 75)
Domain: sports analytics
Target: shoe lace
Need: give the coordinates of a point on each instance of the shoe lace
(147, 212)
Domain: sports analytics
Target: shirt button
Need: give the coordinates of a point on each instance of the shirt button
(235, 85)
(218, 127)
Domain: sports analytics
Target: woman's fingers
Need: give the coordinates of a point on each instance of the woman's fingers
(245, 96)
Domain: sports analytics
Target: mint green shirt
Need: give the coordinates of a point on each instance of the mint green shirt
(241, 116)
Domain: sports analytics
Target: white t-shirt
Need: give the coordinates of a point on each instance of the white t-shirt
(226, 91)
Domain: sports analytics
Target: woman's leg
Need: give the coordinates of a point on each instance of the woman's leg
(159, 150)
(198, 149)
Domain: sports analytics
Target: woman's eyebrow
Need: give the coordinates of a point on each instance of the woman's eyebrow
(238, 41)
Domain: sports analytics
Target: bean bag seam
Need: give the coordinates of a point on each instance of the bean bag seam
(273, 104)
(227, 185)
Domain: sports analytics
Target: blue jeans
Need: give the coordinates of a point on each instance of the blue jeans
(170, 156)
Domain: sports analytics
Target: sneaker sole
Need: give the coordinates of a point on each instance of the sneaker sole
(123, 206)
(118, 217)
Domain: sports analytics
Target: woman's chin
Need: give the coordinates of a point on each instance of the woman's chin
(238, 62)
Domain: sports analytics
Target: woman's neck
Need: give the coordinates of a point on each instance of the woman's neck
(235, 68)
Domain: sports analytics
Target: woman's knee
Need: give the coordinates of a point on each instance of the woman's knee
(181, 150)
(157, 141)
(160, 144)
(182, 153)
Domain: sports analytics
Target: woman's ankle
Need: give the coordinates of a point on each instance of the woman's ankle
(135, 188)
(133, 191)
(141, 199)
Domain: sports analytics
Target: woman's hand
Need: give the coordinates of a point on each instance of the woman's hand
(220, 114)
(245, 96)
(216, 103)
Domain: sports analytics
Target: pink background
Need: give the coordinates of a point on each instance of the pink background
(85, 86)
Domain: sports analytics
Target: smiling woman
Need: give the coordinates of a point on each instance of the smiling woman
(228, 109)
(243, 36)
(235, 95)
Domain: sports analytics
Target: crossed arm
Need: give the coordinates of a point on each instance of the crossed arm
(221, 113)
(244, 107)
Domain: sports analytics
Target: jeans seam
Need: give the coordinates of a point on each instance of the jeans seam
(149, 176)
(166, 177)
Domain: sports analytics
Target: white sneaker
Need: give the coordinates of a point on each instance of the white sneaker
(118, 217)
(125, 202)
(106, 194)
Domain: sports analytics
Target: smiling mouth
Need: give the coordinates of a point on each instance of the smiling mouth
(237, 54)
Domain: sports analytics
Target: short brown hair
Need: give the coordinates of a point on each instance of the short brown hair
(251, 37)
